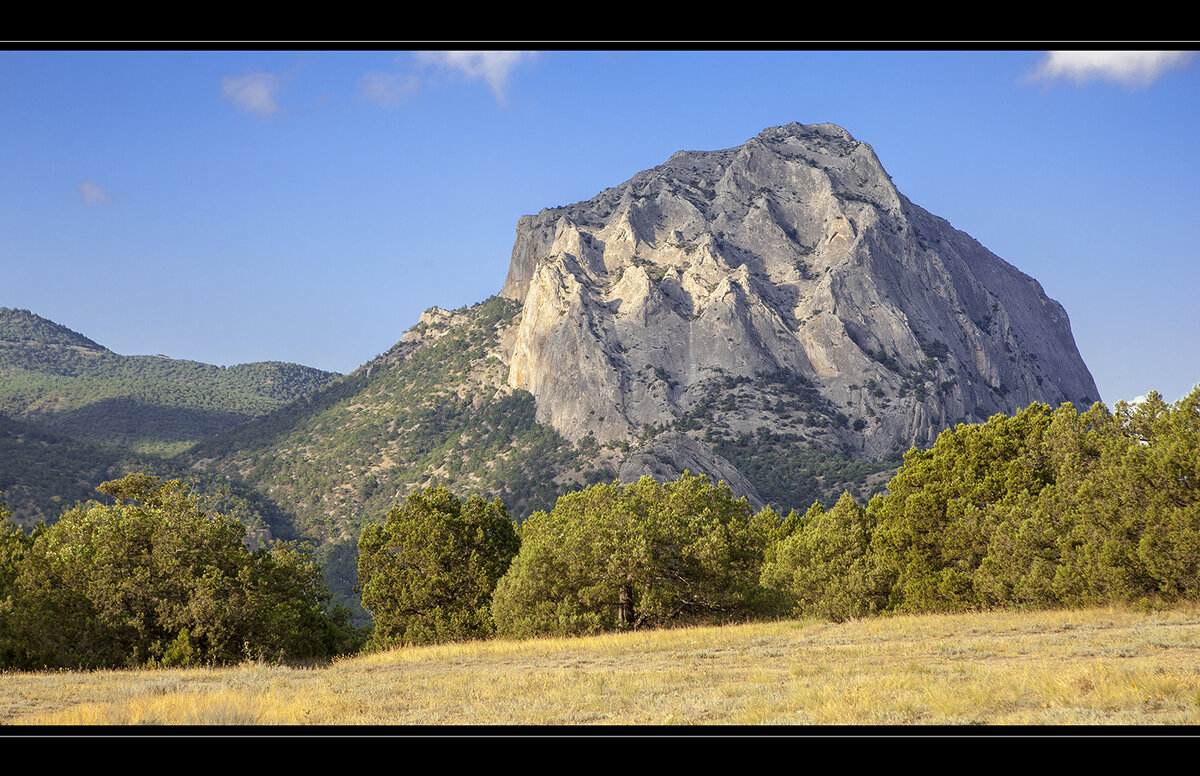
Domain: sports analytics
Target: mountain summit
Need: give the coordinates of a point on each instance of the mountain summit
(776, 316)
(782, 284)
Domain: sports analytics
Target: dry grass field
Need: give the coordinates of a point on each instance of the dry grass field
(1097, 666)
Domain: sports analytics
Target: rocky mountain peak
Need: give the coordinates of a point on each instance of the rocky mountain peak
(791, 267)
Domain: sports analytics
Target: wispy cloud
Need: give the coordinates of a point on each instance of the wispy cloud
(1131, 68)
(494, 67)
(387, 88)
(93, 194)
(253, 92)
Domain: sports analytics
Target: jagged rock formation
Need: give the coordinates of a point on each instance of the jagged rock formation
(790, 266)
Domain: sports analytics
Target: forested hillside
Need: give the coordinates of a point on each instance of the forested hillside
(42, 473)
(65, 383)
(432, 410)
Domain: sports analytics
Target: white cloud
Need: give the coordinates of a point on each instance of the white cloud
(253, 92)
(1132, 68)
(491, 66)
(387, 88)
(93, 194)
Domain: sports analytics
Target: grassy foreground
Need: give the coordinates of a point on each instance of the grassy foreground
(1096, 666)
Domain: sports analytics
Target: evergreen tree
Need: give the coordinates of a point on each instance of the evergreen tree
(155, 579)
(428, 572)
(826, 566)
(622, 556)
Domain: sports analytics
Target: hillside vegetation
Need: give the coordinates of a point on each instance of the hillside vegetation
(68, 385)
(1041, 510)
(433, 410)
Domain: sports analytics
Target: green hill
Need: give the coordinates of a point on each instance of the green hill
(67, 384)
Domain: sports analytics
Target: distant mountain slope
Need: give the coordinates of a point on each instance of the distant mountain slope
(21, 327)
(66, 383)
(43, 474)
(434, 408)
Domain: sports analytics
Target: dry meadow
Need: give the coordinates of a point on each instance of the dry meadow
(1095, 666)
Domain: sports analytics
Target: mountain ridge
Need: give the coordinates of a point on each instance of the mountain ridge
(67, 383)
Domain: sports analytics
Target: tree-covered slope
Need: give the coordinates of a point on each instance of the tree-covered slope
(64, 382)
(432, 410)
(21, 327)
(43, 474)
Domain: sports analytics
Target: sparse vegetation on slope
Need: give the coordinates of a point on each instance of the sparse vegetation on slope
(432, 411)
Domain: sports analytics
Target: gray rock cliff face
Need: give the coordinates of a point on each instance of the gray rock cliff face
(791, 260)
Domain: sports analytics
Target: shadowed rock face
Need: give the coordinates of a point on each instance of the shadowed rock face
(791, 255)
(670, 454)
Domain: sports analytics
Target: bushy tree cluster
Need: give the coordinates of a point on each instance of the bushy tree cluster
(156, 580)
(1049, 507)
(649, 553)
(825, 564)
(428, 572)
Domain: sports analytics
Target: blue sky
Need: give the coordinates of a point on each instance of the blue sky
(307, 206)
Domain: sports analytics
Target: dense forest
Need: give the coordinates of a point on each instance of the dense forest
(1045, 508)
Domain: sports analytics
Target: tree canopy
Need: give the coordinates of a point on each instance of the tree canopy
(1048, 508)
(428, 572)
(825, 564)
(622, 556)
(156, 579)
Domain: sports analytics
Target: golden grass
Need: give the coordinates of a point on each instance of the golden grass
(1096, 666)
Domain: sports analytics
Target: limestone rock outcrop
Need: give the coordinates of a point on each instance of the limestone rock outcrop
(789, 261)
